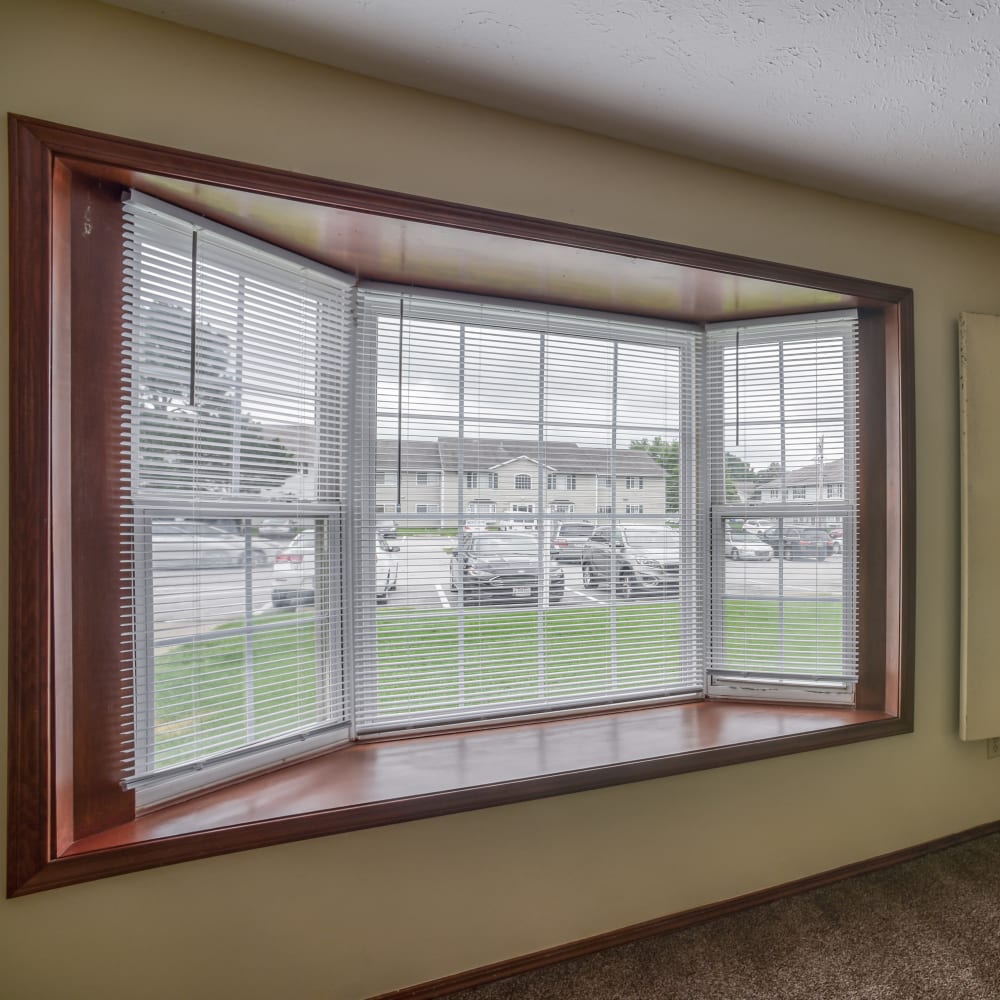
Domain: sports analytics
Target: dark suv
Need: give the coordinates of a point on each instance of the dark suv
(800, 543)
(492, 567)
(633, 559)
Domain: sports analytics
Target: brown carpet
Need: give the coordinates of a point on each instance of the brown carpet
(928, 928)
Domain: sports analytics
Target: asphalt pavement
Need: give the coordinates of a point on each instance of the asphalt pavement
(189, 601)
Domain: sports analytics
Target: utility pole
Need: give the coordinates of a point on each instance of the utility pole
(819, 469)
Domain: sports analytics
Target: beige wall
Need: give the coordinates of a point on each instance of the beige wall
(345, 917)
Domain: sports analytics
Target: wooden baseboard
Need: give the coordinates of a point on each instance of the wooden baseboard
(677, 921)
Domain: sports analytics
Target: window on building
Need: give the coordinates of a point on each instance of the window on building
(421, 478)
(797, 493)
(480, 508)
(834, 491)
(556, 481)
(481, 480)
(522, 482)
(230, 650)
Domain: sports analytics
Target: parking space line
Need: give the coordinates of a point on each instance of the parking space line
(596, 600)
(442, 595)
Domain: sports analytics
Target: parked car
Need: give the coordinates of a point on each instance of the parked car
(569, 539)
(470, 527)
(191, 544)
(837, 535)
(800, 543)
(491, 567)
(295, 572)
(279, 527)
(387, 528)
(633, 559)
(824, 537)
(747, 545)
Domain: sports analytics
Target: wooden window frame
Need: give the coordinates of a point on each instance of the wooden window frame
(69, 818)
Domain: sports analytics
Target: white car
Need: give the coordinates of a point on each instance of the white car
(747, 545)
(470, 527)
(188, 544)
(295, 572)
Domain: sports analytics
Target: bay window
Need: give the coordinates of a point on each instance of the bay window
(228, 340)
(209, 599)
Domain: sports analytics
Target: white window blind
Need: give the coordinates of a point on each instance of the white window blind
(782, 399)
(490, 623)
(233, 354)
(340, 505)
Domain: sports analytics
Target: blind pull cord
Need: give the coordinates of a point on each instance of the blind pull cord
(737, 388)
(194, 316)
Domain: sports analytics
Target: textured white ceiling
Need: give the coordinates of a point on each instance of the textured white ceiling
(895, 101)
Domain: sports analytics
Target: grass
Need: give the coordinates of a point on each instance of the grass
(447, 660)
(433, 664)
(809, 636)
(201, 689)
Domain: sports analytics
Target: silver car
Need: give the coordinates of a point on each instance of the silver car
(295, 572)
(632, 559)
(191, 544)
(747, 545)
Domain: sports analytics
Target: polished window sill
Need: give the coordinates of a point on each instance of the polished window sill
(390, 781)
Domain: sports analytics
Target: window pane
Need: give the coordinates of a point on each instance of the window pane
(236, 442)
(783, 399)
(495, 609)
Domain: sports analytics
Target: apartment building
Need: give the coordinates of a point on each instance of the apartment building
(819, 481)
(498, 477)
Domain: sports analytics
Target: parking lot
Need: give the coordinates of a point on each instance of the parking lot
(187, 601)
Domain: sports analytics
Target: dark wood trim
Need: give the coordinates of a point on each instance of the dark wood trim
(88, 473)
(29, 790)
(872, 513)
(61, 534)
(46, 847)
(131, 154)
(902, 551)
(374, 784)
(448, 985)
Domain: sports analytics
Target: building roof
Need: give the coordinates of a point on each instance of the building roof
(559, 456)
(809, 475)
(417, 456)
(480, 454)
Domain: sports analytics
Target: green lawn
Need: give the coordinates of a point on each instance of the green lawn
(421, 664)
(808, 637)
(447, 660)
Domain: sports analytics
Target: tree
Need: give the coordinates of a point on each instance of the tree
(204, 444)
(737, 471)
(667, 454)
